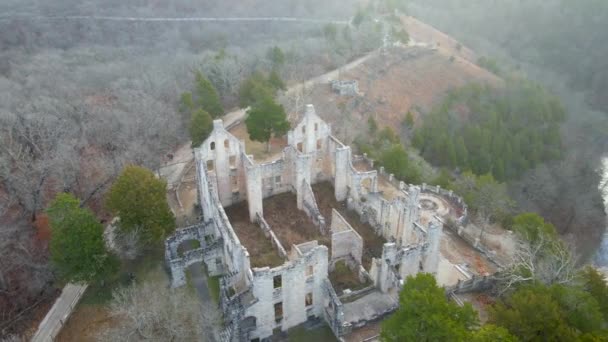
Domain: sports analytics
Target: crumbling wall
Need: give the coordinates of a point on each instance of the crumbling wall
(308, 204)
(223, 154)
(298, 278)
(346, 243)
(345, 87)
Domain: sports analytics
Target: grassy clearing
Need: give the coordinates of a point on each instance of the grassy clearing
(301, 334)
(138, 269)
(342, 277)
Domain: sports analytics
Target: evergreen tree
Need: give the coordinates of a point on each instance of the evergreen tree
(207, 97)
(139, 199)
(425, 314)
(275, 80)
(78, 251)
(266, 119)
(276, 57)
(201, 125)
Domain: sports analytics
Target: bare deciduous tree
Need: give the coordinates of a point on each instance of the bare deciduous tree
(547, 260)
(153, 311)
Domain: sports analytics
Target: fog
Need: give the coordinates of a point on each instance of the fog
(83, 94)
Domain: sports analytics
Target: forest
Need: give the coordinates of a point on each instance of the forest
(554, 43)
(499, 131)
(82, 98)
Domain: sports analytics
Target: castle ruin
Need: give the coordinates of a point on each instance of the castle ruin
(313, 234)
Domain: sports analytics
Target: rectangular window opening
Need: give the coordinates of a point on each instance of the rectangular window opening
(232, 161)
(308, 299)
(319, 144)
(278, 312)
(210, 165)
(277, 282)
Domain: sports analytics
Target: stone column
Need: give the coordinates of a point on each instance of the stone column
(341, 176)
(431, 258)
(254, 192)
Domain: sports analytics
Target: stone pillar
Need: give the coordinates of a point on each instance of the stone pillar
(341, 176)
(303, 173)
(310, 138)
(254, 192)
(178, 276)
(431, 258)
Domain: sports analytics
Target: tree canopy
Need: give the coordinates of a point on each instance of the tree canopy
(499, 131)
(484, 195)
(266, 119)
(396, 161)
(532, 225)
(257, 87)
(539, 312)
(78, 251)
(139, 199)
(201, 125)
(207, 97)
(425, 314)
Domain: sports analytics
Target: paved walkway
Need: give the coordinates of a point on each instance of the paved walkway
(60, 312)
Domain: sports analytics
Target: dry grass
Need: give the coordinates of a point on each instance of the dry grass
(290, 224)
(261, 251)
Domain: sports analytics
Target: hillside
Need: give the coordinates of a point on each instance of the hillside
(405, 79)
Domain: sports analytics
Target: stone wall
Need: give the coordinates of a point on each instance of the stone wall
(345, 87)
(308, 204)
(257, 301)
(298, 278)
(346, 243)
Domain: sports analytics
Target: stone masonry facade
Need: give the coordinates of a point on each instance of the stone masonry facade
(257, 301)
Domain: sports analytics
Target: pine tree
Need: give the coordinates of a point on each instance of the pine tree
(201, 124)
(266, 119)
(207, 97)
(139, 199)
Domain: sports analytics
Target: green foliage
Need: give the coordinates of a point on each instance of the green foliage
(372, 124)
(532, 225)
(484, 195)
(549, 313)
(186, 103)
(139, 199)
(499, 131)
(276, 56)
(579, 309)
(408, 121)
(257, 87)
(425, 314)
(275, 80)
(359, 17)
(595, 284)
(330, 31)
(77, 247)
(489, 64)
(396, 161)
(207, 97)
(400, 34)
(201, 125)
(265, 119)
(532, 314)
(492, 333)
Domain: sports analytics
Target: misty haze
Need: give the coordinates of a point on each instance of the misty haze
(284, 170)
